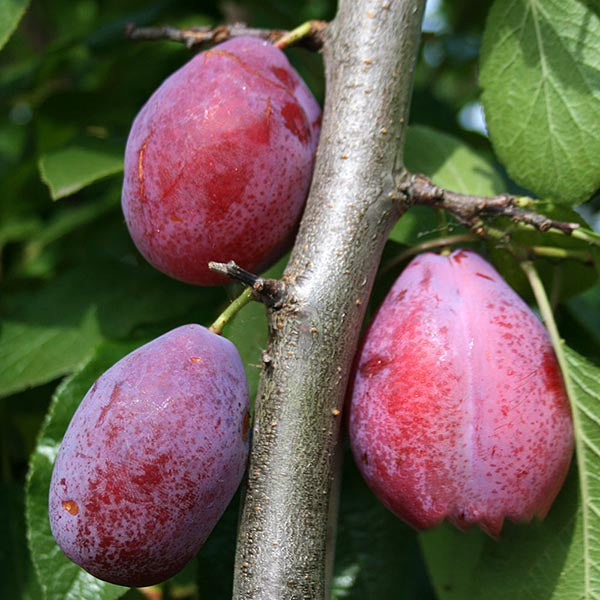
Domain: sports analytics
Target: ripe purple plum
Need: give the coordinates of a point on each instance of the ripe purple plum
(219, 162)
(151, 458)
(458, 409)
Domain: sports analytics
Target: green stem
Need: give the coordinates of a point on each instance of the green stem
(557, 343)
(294, 36)
(586, 235)
(546, 311)
(552, 252)
(442, 219)
(231, 311)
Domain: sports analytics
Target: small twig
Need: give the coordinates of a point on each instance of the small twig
(418, 189)
(271, 292)
(197, 36)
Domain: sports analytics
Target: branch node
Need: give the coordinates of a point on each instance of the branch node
(271, 292)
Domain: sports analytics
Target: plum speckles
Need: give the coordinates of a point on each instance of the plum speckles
(457, 400)
(218, 162)
(70, 506)
(151, 458)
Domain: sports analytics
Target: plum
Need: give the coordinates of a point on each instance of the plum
(458, 409)
(219, 161)
(151, 458)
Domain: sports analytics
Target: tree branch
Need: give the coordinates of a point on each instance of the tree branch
(418, 189)
(286, 522)
(197, 36)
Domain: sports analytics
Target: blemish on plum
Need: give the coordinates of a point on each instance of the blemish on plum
(484, 276)
(295, 120)
(140, 168)
(284, 77)
(459, 256)
(70, 506)
(114, 395)
(374, 365)
(401, 294)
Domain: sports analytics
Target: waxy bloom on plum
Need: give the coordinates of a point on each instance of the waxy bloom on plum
(151, 458)
(219, 162)
(458, 408)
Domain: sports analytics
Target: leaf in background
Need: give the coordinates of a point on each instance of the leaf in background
(558, 559)
(584, 309)
(565, 277)
(52, 330)
(248, 331)
(377, 556)
(216, 559)
(11, 12)
(70, 169)
(450, 164)
(540, 74)
(582, 384)
(61, 579)
(17, 579)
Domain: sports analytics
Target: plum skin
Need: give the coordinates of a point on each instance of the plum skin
(219, 161)
(458, 409)
(151, 458)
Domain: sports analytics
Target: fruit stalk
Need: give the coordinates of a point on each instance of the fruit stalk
(369, 55)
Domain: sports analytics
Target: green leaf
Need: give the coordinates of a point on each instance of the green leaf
(582, 385)
(11, 12)
(566, 277)
(558, 559)
(584, 309)
(52, 330)
(70, 169)
(377, 556)
(248, 331)
(450, 164)
(34, 353)
(59, 577)
(540, 74)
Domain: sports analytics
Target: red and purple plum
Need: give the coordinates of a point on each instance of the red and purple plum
(458, 409)
(219, 162)
(151, 458)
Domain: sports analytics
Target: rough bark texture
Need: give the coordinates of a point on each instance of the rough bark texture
(369, 53)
